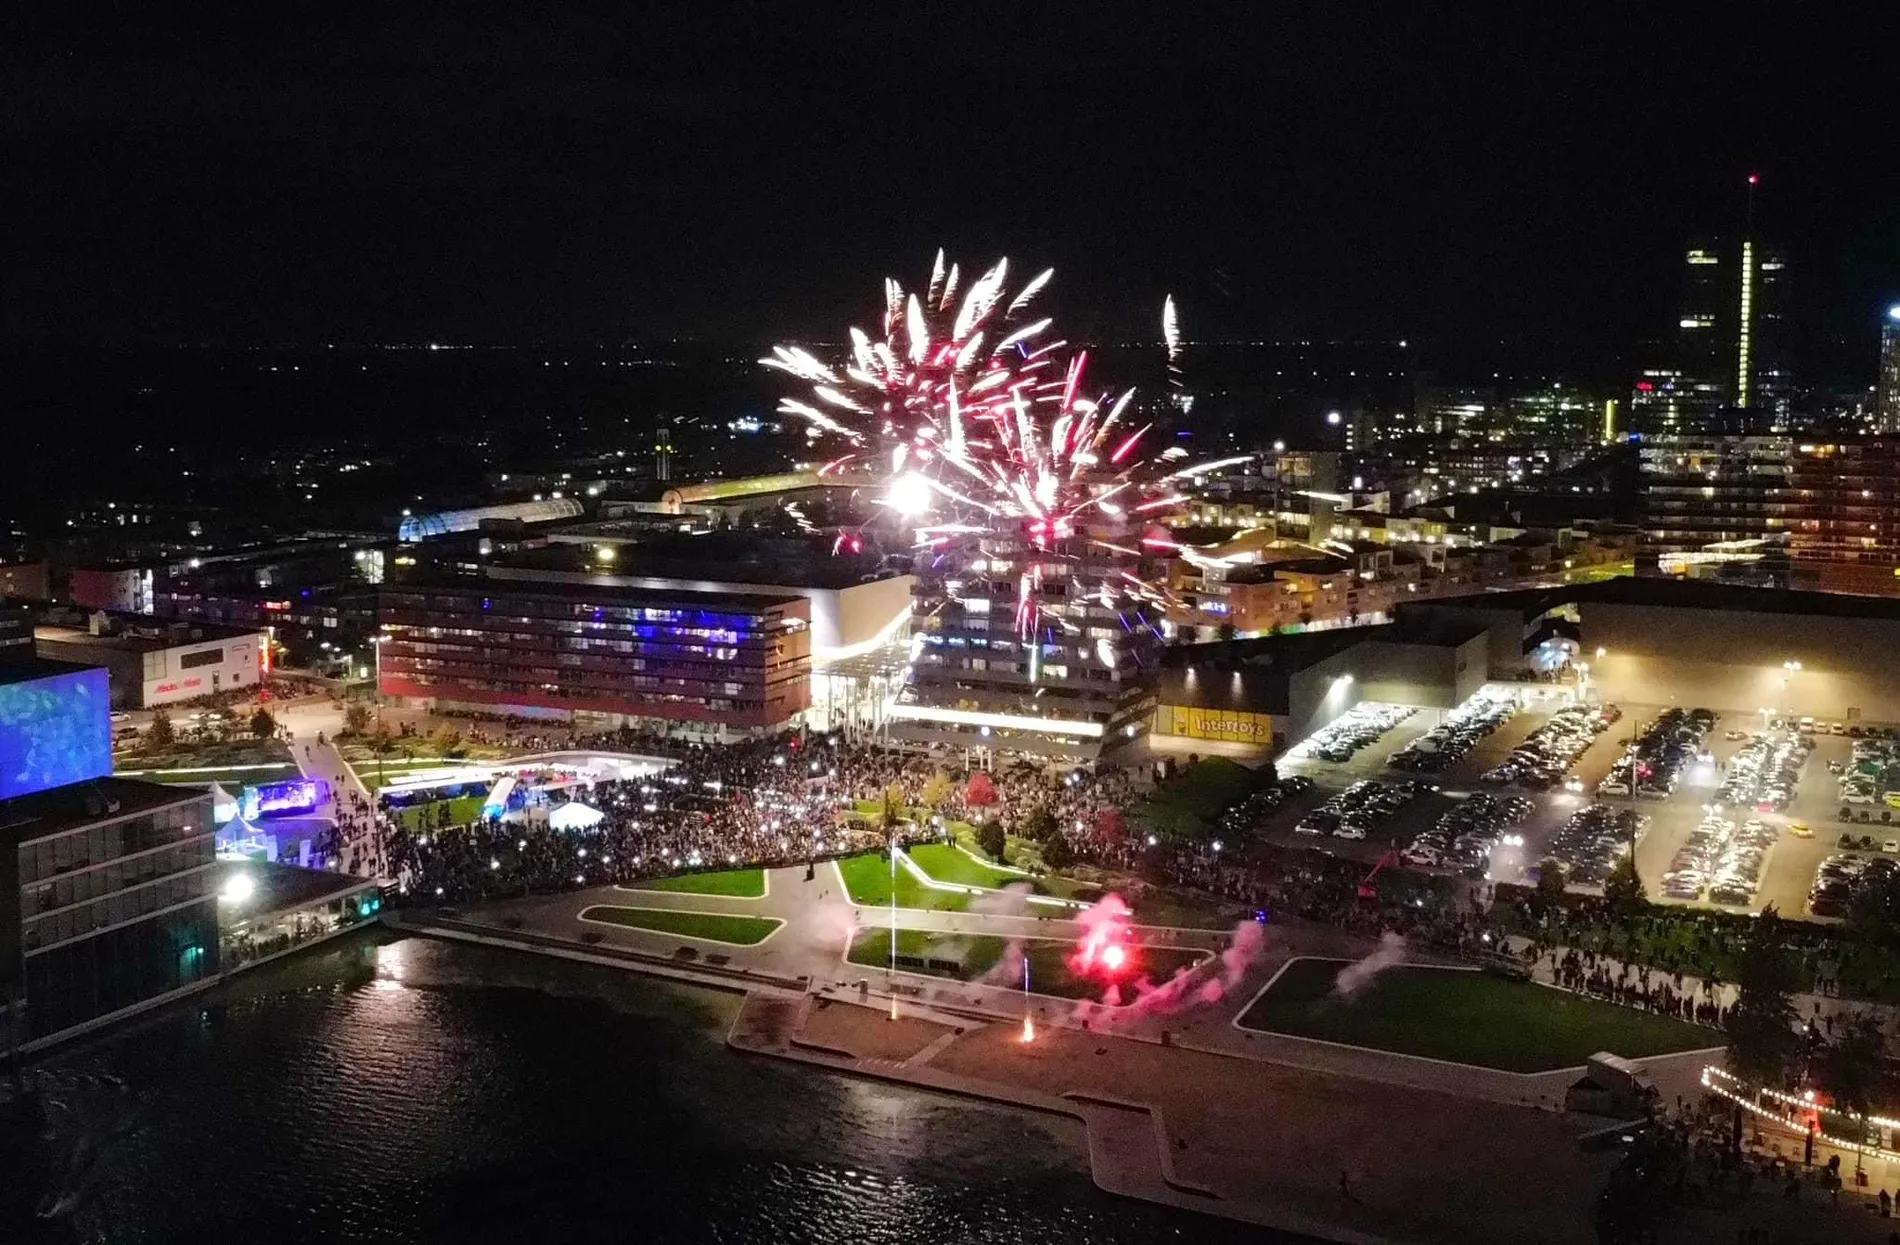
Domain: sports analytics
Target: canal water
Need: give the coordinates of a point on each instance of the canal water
(409, 1090)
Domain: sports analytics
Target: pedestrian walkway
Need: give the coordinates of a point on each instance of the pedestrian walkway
(1823, 1010)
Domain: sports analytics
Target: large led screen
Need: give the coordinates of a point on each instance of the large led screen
(53, 731)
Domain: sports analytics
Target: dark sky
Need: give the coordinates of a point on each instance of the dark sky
(1455, 171)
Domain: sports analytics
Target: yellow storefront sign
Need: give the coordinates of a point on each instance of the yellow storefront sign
(1223, 725)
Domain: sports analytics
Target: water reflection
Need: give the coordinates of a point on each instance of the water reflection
(417, 1091)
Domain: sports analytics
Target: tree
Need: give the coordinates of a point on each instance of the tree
(990, 837)
(1873, 909)
(1039, 826)
(381, 743)
(446, 741)
(263, 725)
(891, 808)
(980, 791)
(160, 736)
(1761, 1034)
(936, 791)
(356, 719)
(1623, 889)
(1851, 1068)
(1056, 852)
(1550, 887)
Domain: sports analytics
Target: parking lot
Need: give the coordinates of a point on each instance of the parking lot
(1787, 868)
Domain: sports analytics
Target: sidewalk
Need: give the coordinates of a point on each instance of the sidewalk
(1808, 1005)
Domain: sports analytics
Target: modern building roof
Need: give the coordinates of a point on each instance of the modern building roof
(721, 557)
(26, 669)
(146, 636)
(285, 888)
(1255, 676)
(601, 589)
(1295, 651)
(548, 510)
(1672, 593)
(44, 813)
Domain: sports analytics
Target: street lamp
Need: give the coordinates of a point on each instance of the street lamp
(376, 643)
(1790, 668)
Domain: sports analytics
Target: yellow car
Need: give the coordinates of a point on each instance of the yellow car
(1800, 830)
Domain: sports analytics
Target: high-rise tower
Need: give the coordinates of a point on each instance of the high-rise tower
(1730, 366)
(1887, 408)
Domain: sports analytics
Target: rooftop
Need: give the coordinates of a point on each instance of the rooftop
(1674, 593)
(145, 636)
(593, 588)
(285, 888)
(26, 669)
(28, 817)
(735, 557)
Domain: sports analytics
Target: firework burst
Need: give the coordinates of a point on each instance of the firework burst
(979, 421)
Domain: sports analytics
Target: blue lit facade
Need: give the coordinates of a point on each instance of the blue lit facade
(700, 662)
(106, 885)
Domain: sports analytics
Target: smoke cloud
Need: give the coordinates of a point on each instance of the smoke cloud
(1356, 977)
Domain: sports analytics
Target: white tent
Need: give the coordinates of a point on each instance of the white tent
(575, 816)
(224, 805)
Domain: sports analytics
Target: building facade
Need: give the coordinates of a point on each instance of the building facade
(1729, 349)
(160, 664)
(106, 885)
(1078, 685)
(1717, 504)
(700, 664)
(116, 899)
(1887, 403)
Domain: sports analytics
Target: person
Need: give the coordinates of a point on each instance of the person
(1886, 1204)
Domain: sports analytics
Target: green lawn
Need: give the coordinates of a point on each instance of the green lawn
(1464, 1017)
(967, 957)
(744, 931)
(463, 810)
(951, 864)
(868, 879)
(738, 883)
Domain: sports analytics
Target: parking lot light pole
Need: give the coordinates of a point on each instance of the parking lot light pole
(1790, 669)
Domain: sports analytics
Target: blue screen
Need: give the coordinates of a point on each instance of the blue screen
(54, 731)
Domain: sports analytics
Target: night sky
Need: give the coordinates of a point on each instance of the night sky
(1451, 172)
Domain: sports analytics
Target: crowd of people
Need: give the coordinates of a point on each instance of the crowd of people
(1586, 972)
(799, 798)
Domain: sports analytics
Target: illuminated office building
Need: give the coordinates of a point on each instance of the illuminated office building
(1080, 686)
(1887, 406)
(712, 665)
(108, 883)
(1728, 367)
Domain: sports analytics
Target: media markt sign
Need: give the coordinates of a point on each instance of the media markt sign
(1224, 725)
